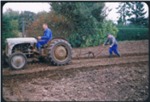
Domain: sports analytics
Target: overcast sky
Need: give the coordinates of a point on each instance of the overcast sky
(37, 7)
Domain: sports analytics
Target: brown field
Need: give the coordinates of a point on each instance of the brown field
(86, 78)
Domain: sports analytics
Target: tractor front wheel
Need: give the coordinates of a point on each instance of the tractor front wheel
(17, 61)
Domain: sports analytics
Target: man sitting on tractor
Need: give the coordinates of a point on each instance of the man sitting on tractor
(113, 45)
(42, 40)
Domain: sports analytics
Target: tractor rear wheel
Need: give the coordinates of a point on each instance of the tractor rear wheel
(60, 52)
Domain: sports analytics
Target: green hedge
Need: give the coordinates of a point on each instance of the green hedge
(132, 33)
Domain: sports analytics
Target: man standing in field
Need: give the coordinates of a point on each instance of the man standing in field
(42, 40)
(113, 45)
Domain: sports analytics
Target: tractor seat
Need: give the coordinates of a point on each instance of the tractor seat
(43, 46)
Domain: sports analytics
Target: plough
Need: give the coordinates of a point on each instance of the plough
(94, 54)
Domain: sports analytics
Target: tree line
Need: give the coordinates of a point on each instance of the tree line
(132, 12)
(83, 24)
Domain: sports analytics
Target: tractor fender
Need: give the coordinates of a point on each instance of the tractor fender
(59, 38)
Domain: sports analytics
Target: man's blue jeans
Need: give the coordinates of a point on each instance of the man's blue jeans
(40, 43)
(114, 49)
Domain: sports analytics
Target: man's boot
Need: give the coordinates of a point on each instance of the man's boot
(110, 56)
(118, 55)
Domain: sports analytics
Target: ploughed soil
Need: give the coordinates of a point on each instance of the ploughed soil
(122, 78)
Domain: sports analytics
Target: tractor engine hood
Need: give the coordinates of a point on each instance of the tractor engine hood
(21, 40)
(11, 42)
